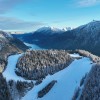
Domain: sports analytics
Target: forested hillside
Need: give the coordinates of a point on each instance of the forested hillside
(9, 45)
(36, 64)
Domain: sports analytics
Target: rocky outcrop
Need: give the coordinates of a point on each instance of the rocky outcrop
(46, 89)
(38, 64)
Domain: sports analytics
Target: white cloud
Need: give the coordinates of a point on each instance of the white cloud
(6, 5)
(87, 3)
(8, 23)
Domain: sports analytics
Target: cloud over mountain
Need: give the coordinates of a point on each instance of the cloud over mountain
(9, 23)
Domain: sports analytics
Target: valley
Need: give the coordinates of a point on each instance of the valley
(69, 77)
(49, 49)
(30, 71)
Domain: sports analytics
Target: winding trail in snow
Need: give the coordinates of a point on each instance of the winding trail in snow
(68, 80)
(9, 72)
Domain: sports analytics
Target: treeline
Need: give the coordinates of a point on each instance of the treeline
(78, 90)
(84, 53)
(91, 90)
(11, 90)
(4, 90)
(94, 58)
(19, 89)
(91, 86)
(38, 64)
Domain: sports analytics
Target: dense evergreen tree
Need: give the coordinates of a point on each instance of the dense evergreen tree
(4, 91)
(91, 90)
(46, 89)
(38, 64)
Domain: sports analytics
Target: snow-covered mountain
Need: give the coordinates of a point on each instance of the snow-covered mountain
(9, 45)
(67, 29)
(85, 37)
(43, 74)
(46, 30)
(91, 29)
(41, 33)
(8, 38)
(5, 35)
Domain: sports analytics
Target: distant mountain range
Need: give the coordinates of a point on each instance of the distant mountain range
(85, 37)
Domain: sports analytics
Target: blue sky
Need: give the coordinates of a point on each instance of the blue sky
(29, 15)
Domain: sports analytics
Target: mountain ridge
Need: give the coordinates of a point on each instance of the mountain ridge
(9, 45)
(84, 37)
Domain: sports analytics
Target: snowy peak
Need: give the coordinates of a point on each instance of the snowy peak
(52, 30)
(67, 29)
(10, 44)
(92, 26)
(49, 30)
(93, 23)
(5, 35)
(44, 29)
(90, 30)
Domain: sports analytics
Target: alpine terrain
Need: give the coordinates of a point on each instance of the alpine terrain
(86, 37)
(29, 72)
